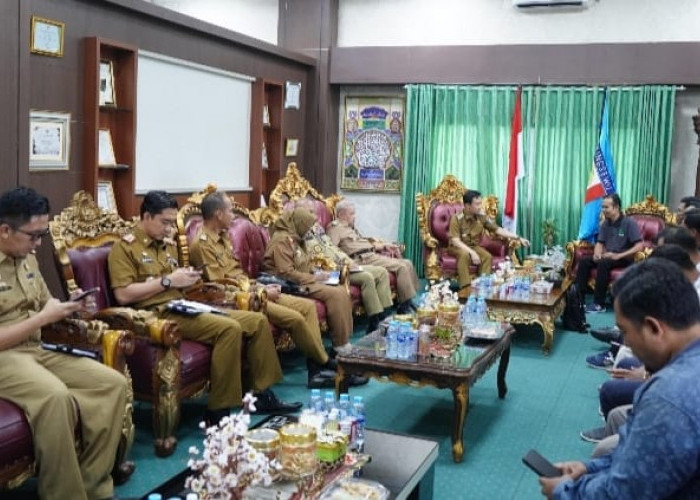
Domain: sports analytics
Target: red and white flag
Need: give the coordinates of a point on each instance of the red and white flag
(516, 168)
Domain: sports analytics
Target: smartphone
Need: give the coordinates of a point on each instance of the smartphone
(200, 268)
(85, 293)
(540, 465)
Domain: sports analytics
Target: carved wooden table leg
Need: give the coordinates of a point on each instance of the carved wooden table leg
(460, 394)
(341, 381)
(502, 369)
(546, 320)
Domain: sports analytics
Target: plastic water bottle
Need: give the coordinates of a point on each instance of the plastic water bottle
(412, 343)
(525, 292)
(315, 401)
(344, 406)
(480, 316)
(471, 309)
(391, 338)
(360, 421)
(329, 402)
(401, 344)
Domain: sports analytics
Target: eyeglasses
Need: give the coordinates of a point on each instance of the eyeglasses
(35, 235)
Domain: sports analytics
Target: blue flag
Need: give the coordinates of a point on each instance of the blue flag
(601, 182)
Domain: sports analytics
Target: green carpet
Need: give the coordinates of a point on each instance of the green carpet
(550, 400)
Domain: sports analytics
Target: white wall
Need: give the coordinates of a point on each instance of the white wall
(255, 18)
(496, 22)
(684, 152)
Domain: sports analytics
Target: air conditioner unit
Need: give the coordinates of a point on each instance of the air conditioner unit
(550, 4)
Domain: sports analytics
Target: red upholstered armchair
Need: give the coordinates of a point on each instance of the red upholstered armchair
(434, 213)
(163, 367)
(651, 218)
(17, 462)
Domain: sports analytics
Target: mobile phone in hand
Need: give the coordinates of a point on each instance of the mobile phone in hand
(85, 293)
(540, 465)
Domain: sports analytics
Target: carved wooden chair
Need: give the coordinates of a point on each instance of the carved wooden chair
(248, 241)
(164, 368)
(434, 213)
(651, 218)
(17, 461)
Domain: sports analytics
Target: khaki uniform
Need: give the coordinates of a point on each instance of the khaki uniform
(137, 258)
(285, 258)
(362, 251)
(49, 385)
(469, 228)
(296, 315)
(372, 280)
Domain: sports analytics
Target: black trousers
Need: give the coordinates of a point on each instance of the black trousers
(602, 279)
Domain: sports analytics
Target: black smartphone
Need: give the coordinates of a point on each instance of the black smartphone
(540, 465)
(85, 293)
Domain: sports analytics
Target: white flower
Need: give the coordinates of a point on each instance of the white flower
(249, 402)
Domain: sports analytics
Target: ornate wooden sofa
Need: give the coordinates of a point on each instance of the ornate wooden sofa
(651, 218)
(248, 241)
(164, 367)
(17, 461)
(292, 187)
(434, 213)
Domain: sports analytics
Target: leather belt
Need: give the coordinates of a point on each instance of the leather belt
(360, 254)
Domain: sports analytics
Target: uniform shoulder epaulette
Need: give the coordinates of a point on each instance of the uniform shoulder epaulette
(169, 241)
(129, 237)
(203, 236)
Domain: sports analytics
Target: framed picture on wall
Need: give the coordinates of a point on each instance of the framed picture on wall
(49, 140)
(292, 95)
(105, 196)
(107, 94)
(292, 147)
(106, 157)
(46, 37)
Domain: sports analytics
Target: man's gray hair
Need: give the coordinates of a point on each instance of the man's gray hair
(343, 205)
(304, 203)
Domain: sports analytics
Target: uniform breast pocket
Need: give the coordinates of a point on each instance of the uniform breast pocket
(147, 270)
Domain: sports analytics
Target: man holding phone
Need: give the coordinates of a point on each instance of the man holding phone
(49, 385)
(144, 274)
(658, 455)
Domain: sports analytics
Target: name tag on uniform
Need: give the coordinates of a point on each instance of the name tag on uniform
(145, 259)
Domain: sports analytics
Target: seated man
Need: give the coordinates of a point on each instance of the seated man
(687, 203)
(144, 274)
(363, 250)
(466, 229)
(618, 241)
(372, 280)
(658, 453)
(50, 386)
(211, 251)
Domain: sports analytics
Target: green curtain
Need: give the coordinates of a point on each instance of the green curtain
(465, 131)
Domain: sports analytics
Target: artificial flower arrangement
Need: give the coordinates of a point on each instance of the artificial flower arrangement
(229, 464)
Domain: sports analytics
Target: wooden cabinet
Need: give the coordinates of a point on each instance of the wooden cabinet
(266, 153)
(118, 118)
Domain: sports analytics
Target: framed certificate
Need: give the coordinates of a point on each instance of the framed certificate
(107, 94)
(292, 97)
(291, 147)
(105, 196)
(49, 140)
(46, 37)
(106, 157)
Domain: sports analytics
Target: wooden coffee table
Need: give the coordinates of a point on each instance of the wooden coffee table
(458, 373)
(537, 309)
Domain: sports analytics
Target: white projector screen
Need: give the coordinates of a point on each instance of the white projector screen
(193, 126)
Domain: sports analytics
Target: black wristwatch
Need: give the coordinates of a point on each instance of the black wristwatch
(165, 282)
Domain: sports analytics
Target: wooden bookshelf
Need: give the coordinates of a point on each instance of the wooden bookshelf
(266, 95)
(119, 119)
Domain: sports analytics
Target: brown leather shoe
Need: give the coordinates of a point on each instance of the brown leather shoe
(464, 292)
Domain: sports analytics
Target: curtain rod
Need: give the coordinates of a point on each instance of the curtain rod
(587, 87)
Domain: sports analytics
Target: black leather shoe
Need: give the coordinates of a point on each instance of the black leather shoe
(213, 417)
(321, 380)
(607, 334)
(268, 403)
(373, 323)
(406, 307)
(122, 472)
(356, 380)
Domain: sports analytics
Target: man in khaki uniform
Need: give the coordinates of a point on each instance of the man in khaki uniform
(52, 388)
(144, 274)
(212, 250)
(372, 280)
(342, 233)
(466, 229)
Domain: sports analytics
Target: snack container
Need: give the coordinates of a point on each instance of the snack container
(356, 489)
(264, 440)
(297, 454)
